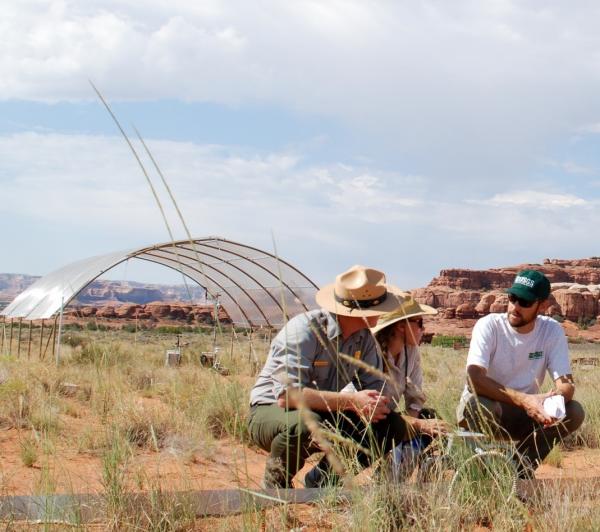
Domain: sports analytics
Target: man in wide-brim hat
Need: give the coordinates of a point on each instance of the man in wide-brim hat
(304, 374)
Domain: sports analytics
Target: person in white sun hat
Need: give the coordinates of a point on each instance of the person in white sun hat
(399, 334)
(306, 370)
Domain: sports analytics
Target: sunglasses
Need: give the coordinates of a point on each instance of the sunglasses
(522, 302)
(418, 321)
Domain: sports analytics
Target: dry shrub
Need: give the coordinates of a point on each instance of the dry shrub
(227, 410)
(14, 403)
(146, 427)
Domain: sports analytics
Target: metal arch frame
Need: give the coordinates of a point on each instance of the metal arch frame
(213, 267)
(218, 239)
(256, 263)
(187, 246)
(220, 286)
(230, 263)
(206, 243)
(200, 241)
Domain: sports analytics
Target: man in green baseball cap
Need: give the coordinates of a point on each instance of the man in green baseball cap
(508, 358)
(530, 285)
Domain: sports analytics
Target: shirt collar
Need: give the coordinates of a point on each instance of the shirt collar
(333, 327)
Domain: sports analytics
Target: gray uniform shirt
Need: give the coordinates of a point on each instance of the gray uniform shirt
(407, 378)
(305, 354)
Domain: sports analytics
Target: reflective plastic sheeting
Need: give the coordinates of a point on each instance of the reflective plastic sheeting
(254, 287)
(45, 297)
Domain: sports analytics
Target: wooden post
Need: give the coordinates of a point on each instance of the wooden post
(19, 339)
(3, 334)
(232, 338)
(48, 341)
(29, 342)
(250, 345)
(60, 322)
(54, 337)
(41, 340)
(10, 341)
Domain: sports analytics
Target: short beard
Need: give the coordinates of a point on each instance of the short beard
(522, 321)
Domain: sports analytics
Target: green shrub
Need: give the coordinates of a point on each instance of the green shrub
(441, 340)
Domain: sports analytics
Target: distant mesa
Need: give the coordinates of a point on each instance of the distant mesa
(463, 296)
(102, 292)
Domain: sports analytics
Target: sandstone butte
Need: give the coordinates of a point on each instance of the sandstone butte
(462, 296)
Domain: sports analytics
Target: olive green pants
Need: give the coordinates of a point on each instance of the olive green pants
(285, 435)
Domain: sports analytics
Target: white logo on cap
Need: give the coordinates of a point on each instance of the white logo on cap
(524, 280)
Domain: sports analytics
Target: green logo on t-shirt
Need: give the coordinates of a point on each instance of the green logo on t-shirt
(536, 355)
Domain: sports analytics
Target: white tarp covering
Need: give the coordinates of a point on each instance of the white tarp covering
(254, 287)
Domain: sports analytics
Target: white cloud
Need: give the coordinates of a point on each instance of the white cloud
(533, 199)
(324, 217)
(53, 177)
(589, 128)
(462, 88)
(370, 61)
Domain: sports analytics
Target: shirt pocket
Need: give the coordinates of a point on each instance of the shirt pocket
(320, 374)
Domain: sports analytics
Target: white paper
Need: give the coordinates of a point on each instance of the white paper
(554, 406)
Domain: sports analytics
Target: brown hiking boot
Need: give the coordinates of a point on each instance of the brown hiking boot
(275, 474)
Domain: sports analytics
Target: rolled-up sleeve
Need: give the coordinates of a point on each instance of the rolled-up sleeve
(292, 355)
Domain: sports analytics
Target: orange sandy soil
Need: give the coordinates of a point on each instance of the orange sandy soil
(223, 465)
(226, 465)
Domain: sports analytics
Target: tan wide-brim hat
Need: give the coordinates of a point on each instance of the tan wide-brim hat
(408, 309)
(361, 292)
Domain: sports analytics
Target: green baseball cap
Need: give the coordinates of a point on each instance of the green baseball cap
(530, 285)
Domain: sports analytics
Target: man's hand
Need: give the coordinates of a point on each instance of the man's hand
(371, 405)
(533, 404)
(432, 427)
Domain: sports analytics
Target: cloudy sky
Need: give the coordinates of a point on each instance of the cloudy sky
(410, 136)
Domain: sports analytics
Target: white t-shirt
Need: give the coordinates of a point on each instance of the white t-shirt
(516, 360)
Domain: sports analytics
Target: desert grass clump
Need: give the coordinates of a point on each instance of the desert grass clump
(28, 452)
(14, 402)
(227, 410)
(166, 511)
(146, 427)
(114, 464)
(103, 355)
(586, 393)
(554, 457)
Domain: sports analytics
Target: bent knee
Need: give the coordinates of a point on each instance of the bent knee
(483, 407)
(575, 415)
